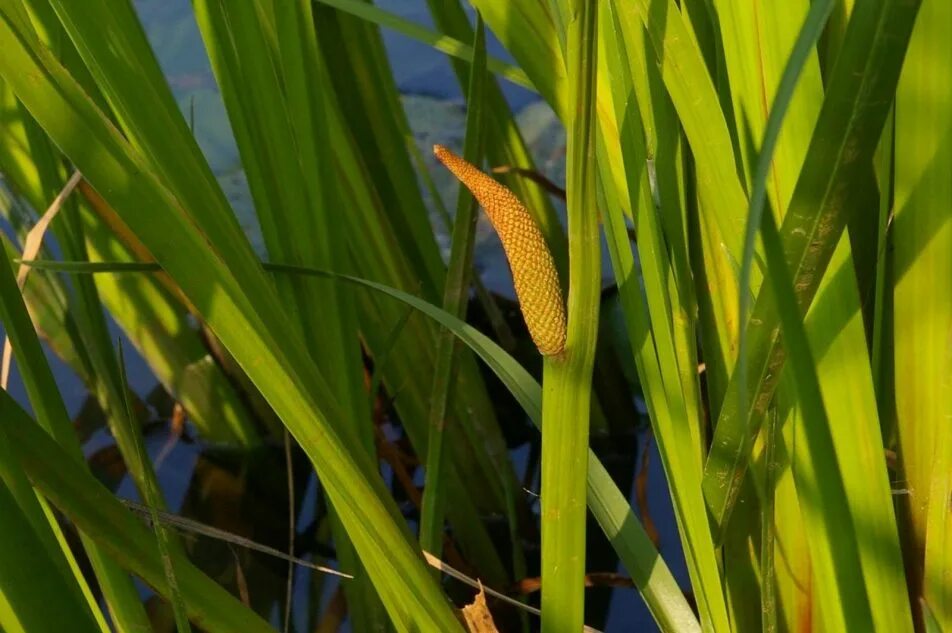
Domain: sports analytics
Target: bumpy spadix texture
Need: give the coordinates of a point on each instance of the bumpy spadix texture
(533, 270)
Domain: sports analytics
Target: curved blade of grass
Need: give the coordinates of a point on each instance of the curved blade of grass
(607, 503)
(853, 113)
(455, 295)
(230, 292)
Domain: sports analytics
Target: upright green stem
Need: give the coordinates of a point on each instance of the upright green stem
(455, 293)
(566, 396)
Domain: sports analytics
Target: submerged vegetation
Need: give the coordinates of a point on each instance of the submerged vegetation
(773, 182)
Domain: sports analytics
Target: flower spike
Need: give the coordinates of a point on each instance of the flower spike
(533, 269)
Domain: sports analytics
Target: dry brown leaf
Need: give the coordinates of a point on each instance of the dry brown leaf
(31, 247)
(477, 617)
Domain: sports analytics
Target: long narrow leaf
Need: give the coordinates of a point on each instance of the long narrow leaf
(821, 480)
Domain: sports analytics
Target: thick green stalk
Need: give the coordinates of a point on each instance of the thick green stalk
(566, 396)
